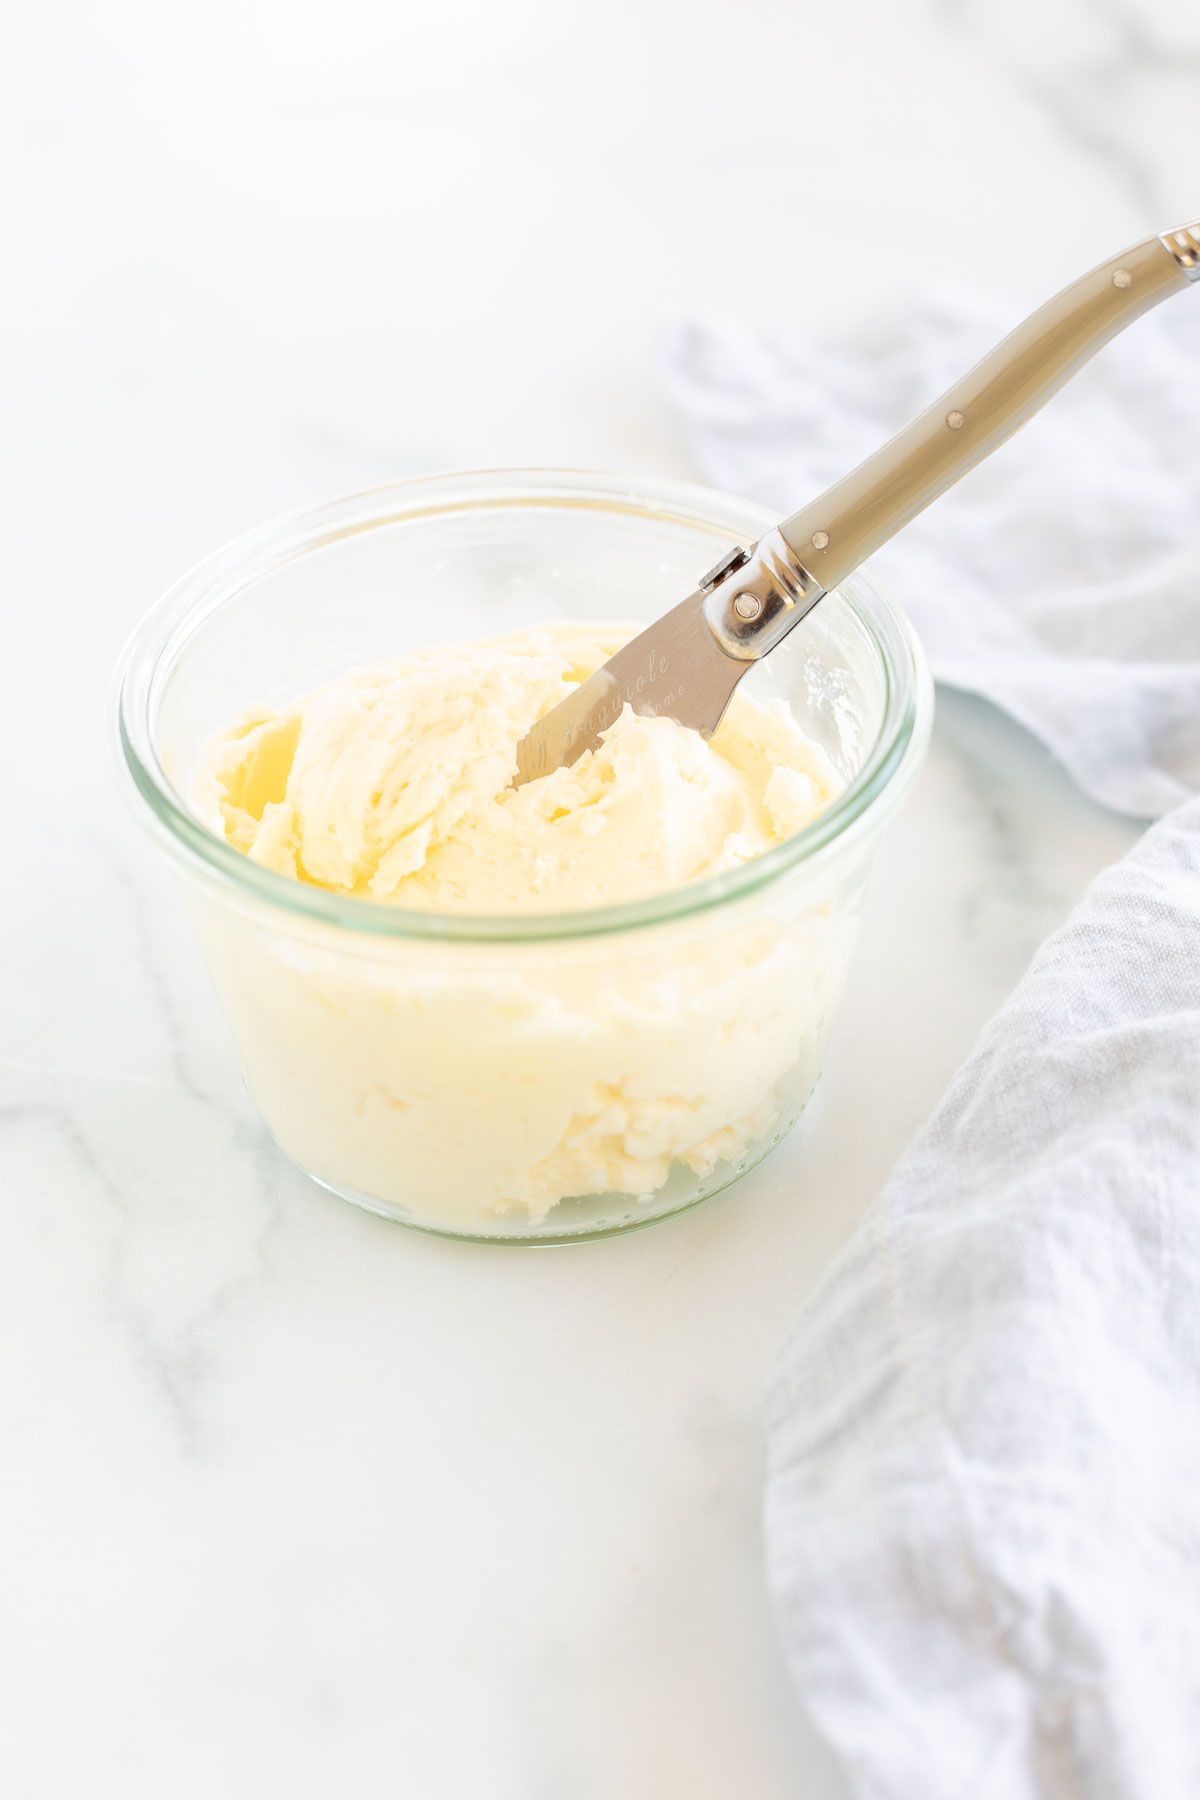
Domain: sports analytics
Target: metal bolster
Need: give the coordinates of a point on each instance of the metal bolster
(753, 605)
(1182, 243)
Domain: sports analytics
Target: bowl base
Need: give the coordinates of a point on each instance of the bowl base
(539, 1238)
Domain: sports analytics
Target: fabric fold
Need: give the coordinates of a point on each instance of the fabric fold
(983, 1504)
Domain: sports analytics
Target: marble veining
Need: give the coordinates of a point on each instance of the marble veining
(1092, 87)
(295, 1502)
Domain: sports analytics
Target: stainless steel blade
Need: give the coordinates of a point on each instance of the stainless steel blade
(676, 667)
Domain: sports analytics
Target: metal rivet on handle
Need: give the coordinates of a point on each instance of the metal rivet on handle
(954, 420)
(1122, 278)
(747, 606)
(820, 539)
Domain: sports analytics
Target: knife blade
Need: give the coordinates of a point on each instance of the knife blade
(676, 667)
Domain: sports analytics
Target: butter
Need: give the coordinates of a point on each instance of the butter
(393, 784)
(476, 1086)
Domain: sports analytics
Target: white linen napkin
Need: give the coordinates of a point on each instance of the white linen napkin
(1060, 578)
(983, 1504)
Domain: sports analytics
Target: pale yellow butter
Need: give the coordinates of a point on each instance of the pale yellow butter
(477, 1083)
(393, 784)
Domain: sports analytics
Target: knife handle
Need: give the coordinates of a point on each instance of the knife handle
(830, 537)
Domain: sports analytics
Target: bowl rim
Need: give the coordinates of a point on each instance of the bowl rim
(158, 641)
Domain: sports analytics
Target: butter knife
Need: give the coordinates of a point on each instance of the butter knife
(688, 662)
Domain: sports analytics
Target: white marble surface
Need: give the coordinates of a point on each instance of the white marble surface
(294, 1502)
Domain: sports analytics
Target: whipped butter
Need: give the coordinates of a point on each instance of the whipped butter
(475, 1085)
(394, 784)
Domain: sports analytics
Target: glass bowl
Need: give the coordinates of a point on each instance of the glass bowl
(534, 1079)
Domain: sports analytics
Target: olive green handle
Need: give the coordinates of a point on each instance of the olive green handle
(838, 531)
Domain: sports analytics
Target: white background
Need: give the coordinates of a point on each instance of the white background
(292, 1502)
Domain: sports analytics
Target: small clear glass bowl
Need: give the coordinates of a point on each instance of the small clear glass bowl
(536, 1079)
